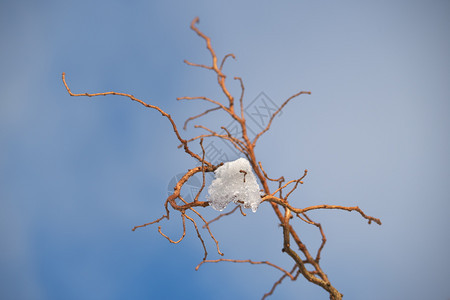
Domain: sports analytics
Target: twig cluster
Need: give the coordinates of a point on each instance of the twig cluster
(304, 262)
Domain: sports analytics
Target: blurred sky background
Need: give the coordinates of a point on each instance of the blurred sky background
(76, 174)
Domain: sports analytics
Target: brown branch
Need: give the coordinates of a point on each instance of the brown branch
(235, 139)
(265, 174)
(214, 134)
(325, 284)
(210, 233)
(242, 212)
(199, 115)
(241, 99)
(280, 188)
(279, 281)
(203, 172)
(225, 58)
(246, 261)
(182, 181)
(220, 75)
(197, 137)
(273, 116)
(197, 65)
(207, 227)
(318, 225)
(146, 224)
(206, 99)
(181, 238)
(279, 180)
(228, 137)
(296, 184)
(282, 202)
(199, 236)
(163, 113)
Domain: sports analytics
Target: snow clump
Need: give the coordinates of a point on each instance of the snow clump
(234, 182)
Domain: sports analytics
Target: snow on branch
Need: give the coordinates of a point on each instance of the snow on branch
(234, 182)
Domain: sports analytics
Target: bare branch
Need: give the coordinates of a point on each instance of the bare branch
(207, 227)
(206, 99)
(225, 58)
(282, 202)
(246, 261)
(273, 116)
(146, 224)
(199, 237)
(234, 141)
(199, 115)
(203, 172)
(324, 239)
(197, 65)
(241, 99)
(163, 113)
(296, 184)
(220, 75)
(265, 174)
(279, 281)
(297, 181)
(242, 213)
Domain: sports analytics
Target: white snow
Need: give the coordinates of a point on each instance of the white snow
(234, 182)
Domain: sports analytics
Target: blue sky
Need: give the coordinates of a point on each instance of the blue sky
(76, 174)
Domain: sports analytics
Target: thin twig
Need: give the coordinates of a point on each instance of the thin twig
(146, 224)
(220, 75)
(282, 202)
(220, 216)
(206, 99)
(318, 225)
(296, 184)
(199, 237)
(207, 227)
(163, 113)
(241, 99)
(278, 282)
(273, 116)
(297, 181)
(225, 58)
(197, 65)
(203, 172)
(265, 174)
(246, 261)
(199, 115)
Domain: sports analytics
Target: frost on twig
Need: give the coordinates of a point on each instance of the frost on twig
(234, 182)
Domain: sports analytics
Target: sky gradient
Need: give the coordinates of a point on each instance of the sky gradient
(76, 174)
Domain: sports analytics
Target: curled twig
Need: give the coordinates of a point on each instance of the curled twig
(225, 58)
(183, 215)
